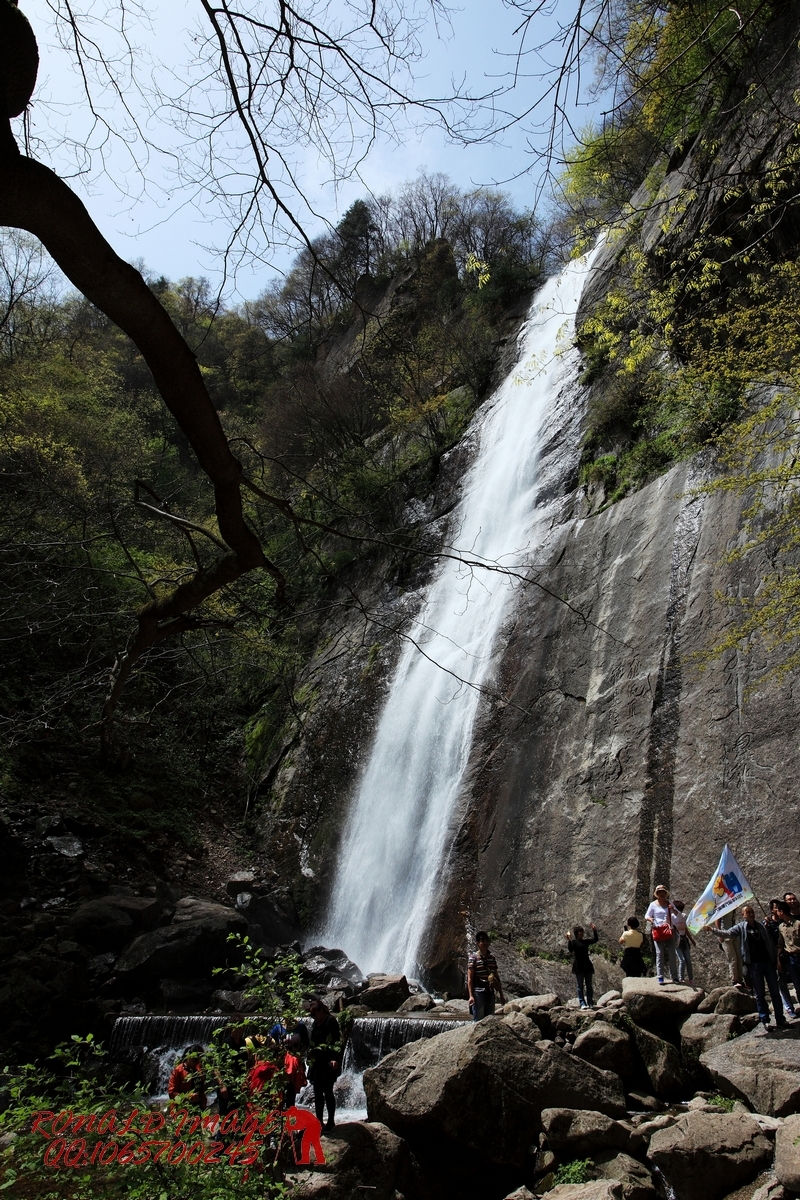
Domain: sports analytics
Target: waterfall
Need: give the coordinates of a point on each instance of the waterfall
(399, 828)
(372, 1038)
(173, 1033)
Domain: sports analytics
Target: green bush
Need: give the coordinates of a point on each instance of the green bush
(577, 1171)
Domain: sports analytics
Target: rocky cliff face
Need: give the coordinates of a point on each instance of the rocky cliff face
(617, 760)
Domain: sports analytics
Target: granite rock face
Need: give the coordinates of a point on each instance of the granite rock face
(481, 1089)
(607, 761)
(704, 1156)
(763, 1071)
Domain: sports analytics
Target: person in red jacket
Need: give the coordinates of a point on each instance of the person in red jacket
(187, 1079)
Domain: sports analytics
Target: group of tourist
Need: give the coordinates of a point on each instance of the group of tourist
(763, 956)
(255, 1059)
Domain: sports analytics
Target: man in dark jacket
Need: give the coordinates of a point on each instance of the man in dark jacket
(759, 954)
(325, 1058)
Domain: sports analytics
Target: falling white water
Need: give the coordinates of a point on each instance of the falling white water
(399, 829)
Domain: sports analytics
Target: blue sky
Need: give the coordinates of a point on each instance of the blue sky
(177, 229)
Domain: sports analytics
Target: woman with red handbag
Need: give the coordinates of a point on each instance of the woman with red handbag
(660, 916)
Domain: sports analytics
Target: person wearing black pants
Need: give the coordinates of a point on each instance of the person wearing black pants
(582, 968)
(325, 1056)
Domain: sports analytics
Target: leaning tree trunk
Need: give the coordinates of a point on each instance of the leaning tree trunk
(34, 198)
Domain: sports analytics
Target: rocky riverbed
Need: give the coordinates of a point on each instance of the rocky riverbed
(659, 1092)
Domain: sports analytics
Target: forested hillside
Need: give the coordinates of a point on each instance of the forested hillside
(339, 389)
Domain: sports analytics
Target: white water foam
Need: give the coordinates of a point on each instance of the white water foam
(399, 829)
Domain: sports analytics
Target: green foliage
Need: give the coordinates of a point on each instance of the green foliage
(725, 1102)
(78, 1081)
(577, 1171)
(275, 984)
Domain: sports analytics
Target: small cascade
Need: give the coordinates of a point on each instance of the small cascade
(371, 1039)
(157, 1043)
(170, 1033)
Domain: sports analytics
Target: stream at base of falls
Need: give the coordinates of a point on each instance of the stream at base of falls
(157, 1042)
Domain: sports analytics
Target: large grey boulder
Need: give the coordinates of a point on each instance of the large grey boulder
(194, 942)
(531, 1005)
(764, 1071)
(648, 1000)
(637, 1182)
(576, 1133)
(662, 1063)
(605, 1046)
(364, 1158)
(385, 993)
(703, 1031)
(729, 1001)
(704, 1156)
(332, 970)
(421, 1002)
(482, 1088)
(601, 1189)
(101, 924)
(787, 1153)
(108, 922)
(524, 1026)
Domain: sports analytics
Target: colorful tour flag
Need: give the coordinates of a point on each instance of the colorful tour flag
(727, 889)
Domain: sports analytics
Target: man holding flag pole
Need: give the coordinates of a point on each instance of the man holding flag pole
(728, 889)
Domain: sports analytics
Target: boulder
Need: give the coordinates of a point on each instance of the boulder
(770, 1190)
(605, 1046)
(332, 970)
(193, 994)
(482, 1088)
(763, 1071)
(101, 923)
(385, 993)
(521, 1193)
(729, 1001)
(648, 1000)
(196, 941)
(704, 1156)
(456, 1006)
(601, 1189)
(422, 1002)
(240, 881)
(637, 1182)
(608, 998)
(275, 916)
(787, 1153)
(578, 1133)
(703, 1031)
(523, 1025)
(530, 1005)
(662, 1062)
(363, 1158)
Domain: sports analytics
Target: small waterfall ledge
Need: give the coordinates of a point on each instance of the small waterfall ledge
(160, 1040)
(400, 825)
